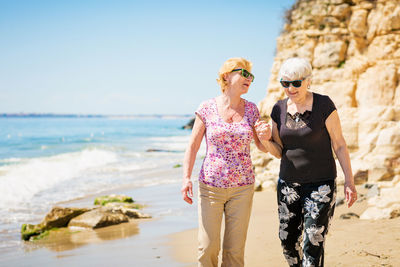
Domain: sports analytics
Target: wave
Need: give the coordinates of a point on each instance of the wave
(19, 183)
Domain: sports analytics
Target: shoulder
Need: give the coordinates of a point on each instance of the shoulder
(206, 104)
(279, 105)
(324, 104)
(251, 105)
(322, 99)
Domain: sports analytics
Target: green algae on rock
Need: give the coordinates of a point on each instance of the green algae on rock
(57, 217)
(103, 200)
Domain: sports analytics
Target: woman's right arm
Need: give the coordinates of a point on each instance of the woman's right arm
(190, 156)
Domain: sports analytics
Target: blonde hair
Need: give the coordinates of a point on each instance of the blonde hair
(295, 68)
(229, 66)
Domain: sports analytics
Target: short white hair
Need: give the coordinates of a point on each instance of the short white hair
(295, 68)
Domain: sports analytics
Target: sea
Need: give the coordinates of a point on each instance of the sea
(50, 161)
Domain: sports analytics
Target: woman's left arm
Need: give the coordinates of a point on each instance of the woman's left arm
(339, 146)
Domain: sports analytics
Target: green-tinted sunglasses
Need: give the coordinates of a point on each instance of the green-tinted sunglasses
(296, 83)
(245, 74)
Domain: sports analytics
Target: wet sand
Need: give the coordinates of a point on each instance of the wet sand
(350, 242)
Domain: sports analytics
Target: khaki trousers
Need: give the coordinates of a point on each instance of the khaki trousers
(235, 204)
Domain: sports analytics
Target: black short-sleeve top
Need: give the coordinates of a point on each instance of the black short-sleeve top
(307, 152)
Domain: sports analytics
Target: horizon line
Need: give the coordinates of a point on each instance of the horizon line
(77, 115)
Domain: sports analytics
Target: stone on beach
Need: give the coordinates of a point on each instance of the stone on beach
(385, 205)
(57, 217)
(115, 209)
(98, 218)
(129, 209)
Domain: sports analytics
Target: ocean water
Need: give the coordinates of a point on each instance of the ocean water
(47, 161)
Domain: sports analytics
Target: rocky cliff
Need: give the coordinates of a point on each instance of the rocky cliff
(354, 48)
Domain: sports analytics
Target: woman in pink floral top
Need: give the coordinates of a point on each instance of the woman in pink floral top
(226, 180)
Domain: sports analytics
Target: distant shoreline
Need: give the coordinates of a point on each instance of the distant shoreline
(51, 115)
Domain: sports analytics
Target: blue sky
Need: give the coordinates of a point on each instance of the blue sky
(129, 57)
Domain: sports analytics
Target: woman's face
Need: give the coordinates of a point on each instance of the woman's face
(237, 82)
(293, 92)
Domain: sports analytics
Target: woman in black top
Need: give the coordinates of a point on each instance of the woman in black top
(305, 127)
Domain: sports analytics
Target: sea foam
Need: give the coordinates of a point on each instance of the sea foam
(19, 183)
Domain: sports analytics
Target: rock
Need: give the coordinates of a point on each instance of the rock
(385, 205)
(257, 186)
(361, 177)
(388, 142)
(329, 54)
(112, 198)
(340, 201)
(124, 205)
(60, 217)
(384, 47)
(189, 125)
(373, 191)
(98, 218)
(159, 150)
(269, 185)
(342, 93)
(131, 210)
(384, 79)
(383, 19)
(375, 213)
(56, 218)
(29, 230)
(341, 11)
(395, 213)
(358, 23)
(379, 174)
(349, 215)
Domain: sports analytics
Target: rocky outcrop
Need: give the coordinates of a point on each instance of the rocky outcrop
(117, 209)
(354, 48)
(189, 125)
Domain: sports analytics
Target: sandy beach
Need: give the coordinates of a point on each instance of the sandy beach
(350, 242)
(141, 242)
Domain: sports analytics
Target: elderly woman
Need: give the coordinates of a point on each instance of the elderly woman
(226, 178)
(305, 128)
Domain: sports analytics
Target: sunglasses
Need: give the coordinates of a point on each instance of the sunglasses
(286, 84)
(245, 74)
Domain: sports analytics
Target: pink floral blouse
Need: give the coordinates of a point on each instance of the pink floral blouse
(227, 162)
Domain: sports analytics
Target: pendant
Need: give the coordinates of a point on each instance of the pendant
(297, 118)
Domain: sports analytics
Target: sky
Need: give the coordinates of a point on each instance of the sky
(129, 57)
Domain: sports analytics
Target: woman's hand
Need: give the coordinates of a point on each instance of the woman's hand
(350, 193)
(263, 130)
(187, 190)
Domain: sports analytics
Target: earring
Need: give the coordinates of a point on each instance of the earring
(308, 86)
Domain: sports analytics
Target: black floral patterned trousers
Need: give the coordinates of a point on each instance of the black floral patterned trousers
(305, 212)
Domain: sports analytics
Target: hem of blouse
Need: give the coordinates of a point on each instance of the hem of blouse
(200, 181)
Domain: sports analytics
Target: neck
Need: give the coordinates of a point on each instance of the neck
(230, 99)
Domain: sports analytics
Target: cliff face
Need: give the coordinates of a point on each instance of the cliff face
(354, 48)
